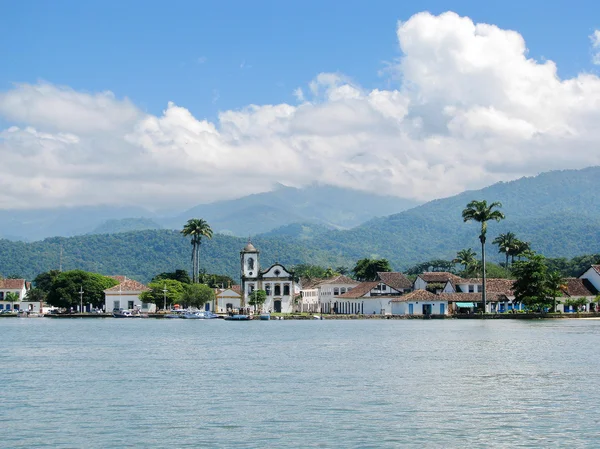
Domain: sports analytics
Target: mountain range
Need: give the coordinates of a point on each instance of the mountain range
(558, 212)
(330, 207)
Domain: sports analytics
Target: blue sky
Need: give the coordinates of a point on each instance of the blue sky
(172, 104)
(211, 56)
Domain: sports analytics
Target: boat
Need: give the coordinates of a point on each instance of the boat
(29, 314)
(122, 314)
(199, 315)
(318, 317)
(265, 316)
(238, 318)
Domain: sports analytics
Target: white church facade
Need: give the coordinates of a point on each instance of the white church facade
(276, 281)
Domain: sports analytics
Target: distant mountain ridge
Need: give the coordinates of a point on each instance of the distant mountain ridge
(328, 206)
(558, 212)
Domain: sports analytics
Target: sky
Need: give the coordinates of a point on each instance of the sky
(156, 105)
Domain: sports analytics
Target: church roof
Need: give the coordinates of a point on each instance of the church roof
(249, 248)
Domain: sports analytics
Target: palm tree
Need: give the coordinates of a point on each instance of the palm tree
(506, 244)
(196, 228)
(466, 258)
(519, 249)
(12, 297)
(480, 212)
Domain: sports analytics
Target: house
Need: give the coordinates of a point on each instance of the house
(420, 302)
(18, 286)
(372, 297)
(276, 281)
(592, 275)
(499, 294)
(126, 295)
(437, 282)
(226, 300)
(576, 288)
(316, 295)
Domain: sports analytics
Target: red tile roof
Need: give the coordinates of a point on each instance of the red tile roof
(418, 295)
(396, 280)
(473, 297)
(12, 284)
(341, 279)
(360, 290)
(440, 276)
(492, 285)
(128, 285)
(577, 287)
(236, 288)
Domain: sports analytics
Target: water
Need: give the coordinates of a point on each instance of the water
(111, 383)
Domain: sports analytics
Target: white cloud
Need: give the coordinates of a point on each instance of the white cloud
(595, 38)
(472, 109)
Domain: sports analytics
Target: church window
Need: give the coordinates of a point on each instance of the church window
(250, 263)
(336, 291)
(286, 289)
(268, 289)
(250, 288)
(343, 290)
(277, 290)
(277, 272)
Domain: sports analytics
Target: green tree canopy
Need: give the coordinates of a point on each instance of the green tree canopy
(44, 281)
(36, 294)
(257, 298)
(531, 284)
(64, 291)
(196, 295)
(554, 285)
(12, 297)
(157, 293)
(215, 280)
(178, 275)
(367, 269)
(196, 228)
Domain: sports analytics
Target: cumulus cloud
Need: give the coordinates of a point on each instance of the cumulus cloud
(471, 109)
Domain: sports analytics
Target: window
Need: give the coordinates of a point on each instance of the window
(116, 305)
(277, 290)
(144, 306)
(250, 288)
(250, 263)
(1, 306)
(1, 296)
(286, 289)
(343, 290)
(336, 291)
(277, 272)
(268, 289)
(471, 289)
(130, 305)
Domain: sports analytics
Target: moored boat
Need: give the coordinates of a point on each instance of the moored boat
(265, 316)
(122, 314)
(238, 318)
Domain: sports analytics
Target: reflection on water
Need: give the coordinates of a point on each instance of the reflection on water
(192, 383)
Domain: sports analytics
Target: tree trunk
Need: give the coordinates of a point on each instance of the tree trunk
(198, 261)
(483, 293)
(506, 265)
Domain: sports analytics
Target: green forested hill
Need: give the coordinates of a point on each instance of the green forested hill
(558, 212)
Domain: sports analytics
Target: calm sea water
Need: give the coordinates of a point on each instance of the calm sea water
(111, 383)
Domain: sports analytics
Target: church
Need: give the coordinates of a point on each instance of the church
(276, 281)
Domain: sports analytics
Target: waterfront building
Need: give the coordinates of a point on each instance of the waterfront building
(317, 295)
(126, 296)
(577, 288)
(276, 281)
(18, 286)
(437, 282)
(372, 297)
(420, 302)
(227, 299)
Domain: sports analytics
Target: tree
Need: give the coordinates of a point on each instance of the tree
(178, 275)
(309, 271)
(64, 291)
(257, 298)
(367, 269)
(44, 281)
(196, 295)
(167, 290)
(466, 258)
(531, 284)
(12, 297)
(519, 249)
(506, 244)
(576, 303)
(36, 294)
(343, 270)
(554, 285)
(215, 280)
(480, 212)
(196, 228)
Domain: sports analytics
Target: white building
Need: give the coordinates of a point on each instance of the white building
(318, 294)
(126, 296)
(18, 286)
(276, 281)
(576, 288)
(227, 300)
(437, 282)
(372, 298)
(420, 302)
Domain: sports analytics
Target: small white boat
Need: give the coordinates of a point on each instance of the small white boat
(122, 314)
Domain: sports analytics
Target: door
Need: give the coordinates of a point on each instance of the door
(410, 309)
(277, 306)
(207, 307)
(442, 309)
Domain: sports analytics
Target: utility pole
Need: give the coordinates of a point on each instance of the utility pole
(81, 299)
(165, 296)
